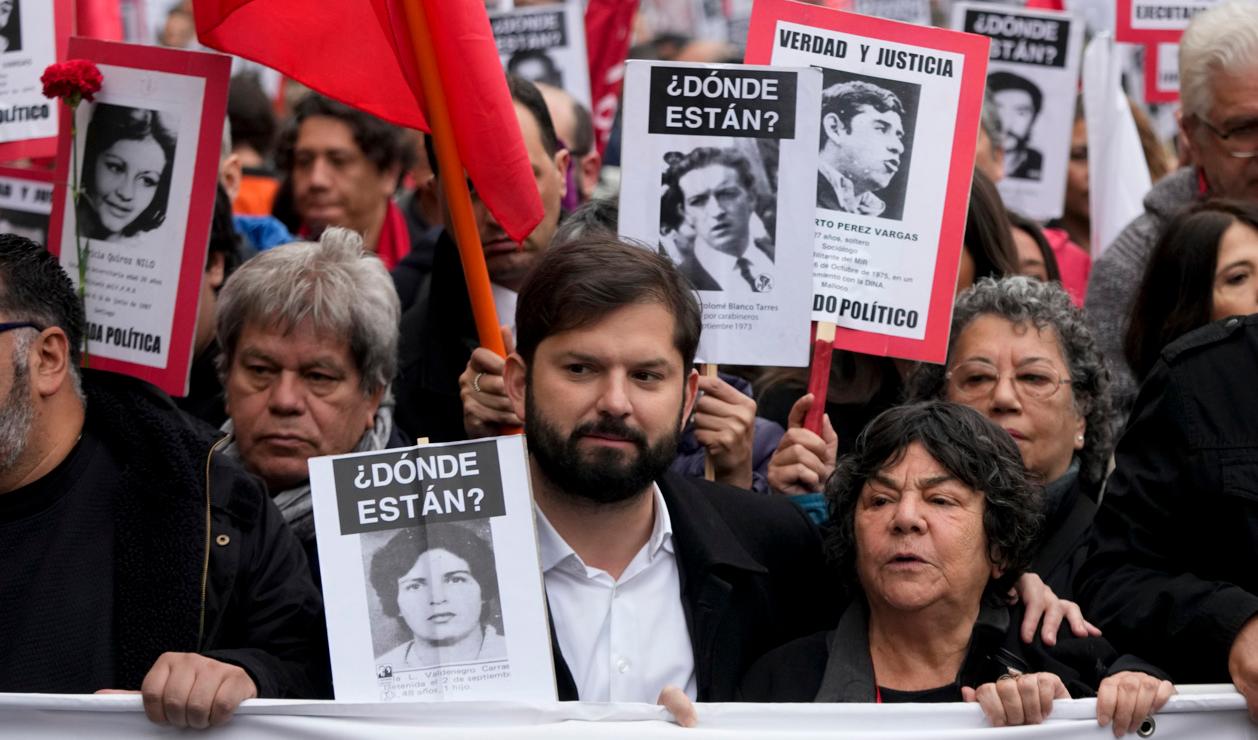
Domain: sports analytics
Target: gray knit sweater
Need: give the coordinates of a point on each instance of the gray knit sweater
(1117, 275)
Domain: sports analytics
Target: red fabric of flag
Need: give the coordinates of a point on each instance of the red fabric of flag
(608, 28)
(359, 52)
(100, 19)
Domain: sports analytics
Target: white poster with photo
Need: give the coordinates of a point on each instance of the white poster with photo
(28, 44)
(897, 104)
(429, 555)
(25, 203)
(137, 147)
(722, 181)
(144, 156)
(546, 43)
(1033, 80)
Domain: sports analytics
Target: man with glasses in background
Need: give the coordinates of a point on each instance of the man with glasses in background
(1218, 68)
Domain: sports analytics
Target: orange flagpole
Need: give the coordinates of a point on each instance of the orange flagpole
(459, 200)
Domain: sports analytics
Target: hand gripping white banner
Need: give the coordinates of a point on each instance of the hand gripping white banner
(1218, 715)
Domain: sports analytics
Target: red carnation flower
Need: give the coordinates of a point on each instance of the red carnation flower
(72, 80)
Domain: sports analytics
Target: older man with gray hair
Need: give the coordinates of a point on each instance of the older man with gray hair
(309, 335)
(1218, 80)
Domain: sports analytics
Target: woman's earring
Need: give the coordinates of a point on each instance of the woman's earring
(1079, 438)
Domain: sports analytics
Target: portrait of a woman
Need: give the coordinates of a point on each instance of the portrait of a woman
(125, 180)
(439, 583)
(10, 26)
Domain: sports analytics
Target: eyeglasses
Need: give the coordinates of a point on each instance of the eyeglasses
(974, 380)
(1240, 142)
(9, 325)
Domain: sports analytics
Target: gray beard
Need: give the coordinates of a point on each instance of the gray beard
(17, 415)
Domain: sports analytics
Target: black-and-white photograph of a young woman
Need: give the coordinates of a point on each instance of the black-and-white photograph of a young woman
(438, 596)
(125, 180)
(10, 26)
(717, 214)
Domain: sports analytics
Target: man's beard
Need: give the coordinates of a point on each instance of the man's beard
(17, 415)
(600, 476)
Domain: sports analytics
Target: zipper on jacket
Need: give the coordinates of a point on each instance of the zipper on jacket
(205, 565)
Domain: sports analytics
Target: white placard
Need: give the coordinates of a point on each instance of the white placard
(1033, 79)
(722, 180)
(546, 44)
(28, 44)
(431, 574)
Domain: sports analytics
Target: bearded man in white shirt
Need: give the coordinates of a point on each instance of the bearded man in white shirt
(652, 579)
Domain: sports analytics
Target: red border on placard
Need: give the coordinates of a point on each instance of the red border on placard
(934, 346)
(216, 70)
(1124, 32)
(63, 20)
(25, 173)
(1153, 93)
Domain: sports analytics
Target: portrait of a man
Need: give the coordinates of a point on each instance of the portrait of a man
(1018, 102)
(714, 194)
(862, 146)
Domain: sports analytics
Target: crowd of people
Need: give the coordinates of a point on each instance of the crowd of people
(1064, 508)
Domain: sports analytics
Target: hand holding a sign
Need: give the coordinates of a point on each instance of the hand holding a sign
(486, 407)
(803, 460)
(725, 424)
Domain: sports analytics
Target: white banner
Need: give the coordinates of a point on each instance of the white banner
(1218, 716)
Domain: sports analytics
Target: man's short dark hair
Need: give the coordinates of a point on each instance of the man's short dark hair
(705, 156)
(526, 94)
(34, 288)
(597, 217)
(583, 130)
(382, 143)
(846, 99)
(1001, 81)
(972, 449)
(251, 115)
(577, 284)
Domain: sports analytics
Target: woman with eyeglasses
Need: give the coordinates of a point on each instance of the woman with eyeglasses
(1021, 354)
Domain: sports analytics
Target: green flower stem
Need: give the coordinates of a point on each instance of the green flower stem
(80, 248)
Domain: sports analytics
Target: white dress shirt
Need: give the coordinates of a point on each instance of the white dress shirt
(623, 640)
(724, 268)
(504, 303)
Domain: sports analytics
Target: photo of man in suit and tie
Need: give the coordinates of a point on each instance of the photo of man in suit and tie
(719, 240)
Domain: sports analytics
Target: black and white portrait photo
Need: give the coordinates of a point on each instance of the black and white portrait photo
(433, 596)
(535, 65)
(866, 143)
(10, 26)
(1018, 102)
(128, 159)
(718, 213)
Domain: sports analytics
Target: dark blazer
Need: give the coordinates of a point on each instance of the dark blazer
(752, 578)
(826, 197)
(1171, 573)
(694, 271)
(836, 666)
(1031, 168)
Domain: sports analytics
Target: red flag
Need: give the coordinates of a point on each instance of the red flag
(100, 19)
(359, 52)
(608, 28)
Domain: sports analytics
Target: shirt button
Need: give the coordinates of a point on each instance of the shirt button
(622, 665)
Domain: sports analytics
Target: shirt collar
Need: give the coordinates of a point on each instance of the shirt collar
(867, 203)
(554, 550)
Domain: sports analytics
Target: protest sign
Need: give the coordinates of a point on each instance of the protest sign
(708, 186)
(546, 44)
(908, 11)
(1153, 21)
(25, 203)
(1161, 73)
(33, 35)
(430, 555)
(899, 121)
(1033, 79)
(148, 150)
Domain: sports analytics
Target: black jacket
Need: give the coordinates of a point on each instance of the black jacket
(437, 337)
(836, 666)
(1063, 544)
(204, 561)
(1171, 573)
(752, 578)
